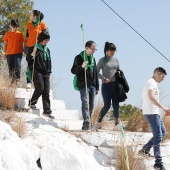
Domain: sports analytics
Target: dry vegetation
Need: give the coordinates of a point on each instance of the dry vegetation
(19, 127)
(95, 114)
(166, 120)
(7, 100)
(65, 128)
(123, 161)
(7, 93)
(16, 123)
(137, 123)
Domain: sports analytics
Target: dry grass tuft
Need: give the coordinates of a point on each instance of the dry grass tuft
(135, 163)
(7, 93)
(95, 114)
(10, 117)
(17, 124)
(166, 120)
(19, 127)
(76, 134)
(65, 128)
(137, 123)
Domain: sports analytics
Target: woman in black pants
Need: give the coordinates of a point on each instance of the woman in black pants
(109, 66)
(41, 74)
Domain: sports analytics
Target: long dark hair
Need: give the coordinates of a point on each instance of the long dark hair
(38, 14)
(109, 46)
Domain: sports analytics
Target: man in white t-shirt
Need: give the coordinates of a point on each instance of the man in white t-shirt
(151, 106)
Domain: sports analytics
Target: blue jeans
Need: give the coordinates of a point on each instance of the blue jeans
(91, 95)
(109, 93)
(14, 65)
(159, 131)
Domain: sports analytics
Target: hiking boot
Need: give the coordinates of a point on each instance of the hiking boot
(116, 121)
(159, 166)
(143, 152)
(33, 107)
(85, 126)
(48, 115)
(96, 127)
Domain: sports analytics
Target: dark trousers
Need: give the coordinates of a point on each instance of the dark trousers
(14, 65)
(28, 81)
(109, 94)
(42, 87)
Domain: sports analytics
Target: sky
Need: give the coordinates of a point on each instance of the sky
(137, 59)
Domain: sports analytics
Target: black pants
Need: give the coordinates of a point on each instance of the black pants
(42, 87)
(28, 81)
(14, 65)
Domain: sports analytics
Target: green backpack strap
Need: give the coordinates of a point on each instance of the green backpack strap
(28, 74)
(75, 83)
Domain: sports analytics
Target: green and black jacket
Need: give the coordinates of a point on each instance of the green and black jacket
(92, 76)
(41, 65)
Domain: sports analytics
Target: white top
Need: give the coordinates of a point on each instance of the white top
(148, 106)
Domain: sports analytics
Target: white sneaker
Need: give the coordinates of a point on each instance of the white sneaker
(96, 127)
(28, 85)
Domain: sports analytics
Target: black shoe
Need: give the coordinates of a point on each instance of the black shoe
(144, 153)
(159, 166)
(48, 115)
(116, 121)
(85, 126)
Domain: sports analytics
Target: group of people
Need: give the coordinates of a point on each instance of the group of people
(86, 80)
(109, 65)
(88, 85)
(37, 55)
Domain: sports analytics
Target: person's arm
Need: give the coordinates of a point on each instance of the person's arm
(4, 50)
(97, 79)
(99, 66)
(78, 65)
(154, 101)
(29, 56)
(118, 66)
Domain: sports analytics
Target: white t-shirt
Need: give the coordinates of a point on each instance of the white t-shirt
(148, 106)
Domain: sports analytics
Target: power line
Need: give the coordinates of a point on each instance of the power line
(135, 31)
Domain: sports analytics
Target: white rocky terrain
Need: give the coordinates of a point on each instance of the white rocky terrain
(46, 146)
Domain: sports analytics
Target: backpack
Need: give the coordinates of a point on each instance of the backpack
(75, 83)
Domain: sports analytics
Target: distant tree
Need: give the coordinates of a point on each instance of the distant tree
(129, 109)
(126, 111)
(18, 9)
(9, 9)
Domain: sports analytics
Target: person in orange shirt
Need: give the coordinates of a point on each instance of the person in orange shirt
(34, 27)
(13, 49)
